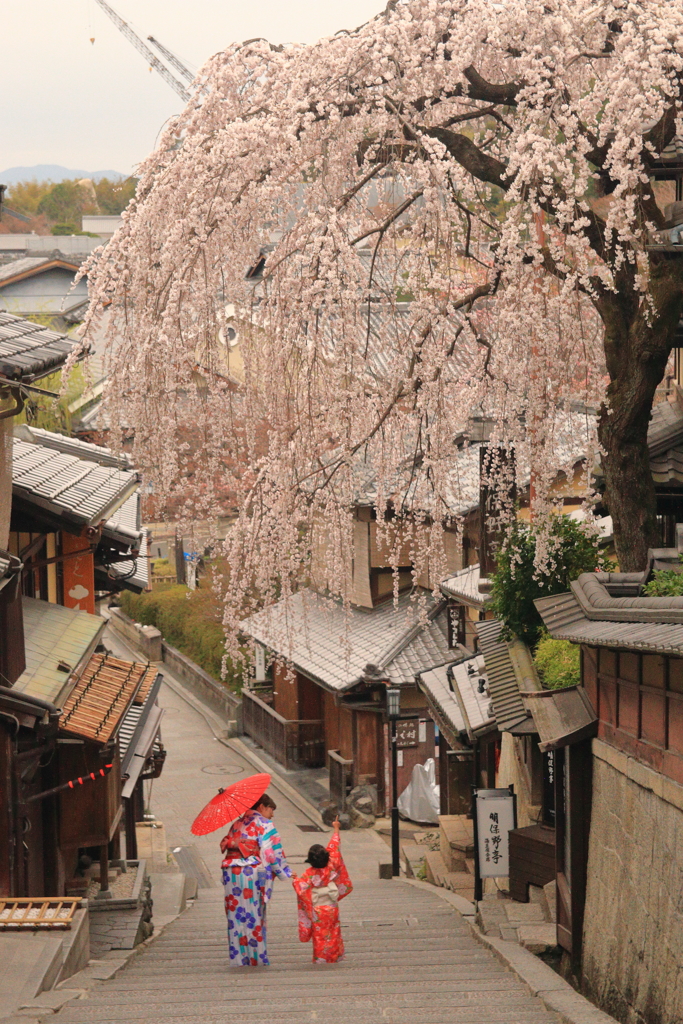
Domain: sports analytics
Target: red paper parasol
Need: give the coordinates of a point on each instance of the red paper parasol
(229, 803)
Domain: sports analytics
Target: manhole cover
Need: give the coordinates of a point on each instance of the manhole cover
(222, 769)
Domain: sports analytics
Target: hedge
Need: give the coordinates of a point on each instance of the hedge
(189, 620)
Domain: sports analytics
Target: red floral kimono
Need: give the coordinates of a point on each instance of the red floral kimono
(319, 891)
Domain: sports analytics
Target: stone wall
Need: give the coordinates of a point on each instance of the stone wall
(147, 639)
(633, 930)
(226, 703)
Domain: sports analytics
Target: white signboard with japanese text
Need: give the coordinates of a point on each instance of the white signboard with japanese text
(495, 810)
(259, 664)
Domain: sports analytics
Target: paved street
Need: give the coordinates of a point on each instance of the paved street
(410, 957)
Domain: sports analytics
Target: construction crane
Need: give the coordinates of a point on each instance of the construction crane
(127, 31)
(172, 59)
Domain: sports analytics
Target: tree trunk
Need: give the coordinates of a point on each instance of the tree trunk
(636, 353)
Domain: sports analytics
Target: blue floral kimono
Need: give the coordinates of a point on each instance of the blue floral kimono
(253, 857)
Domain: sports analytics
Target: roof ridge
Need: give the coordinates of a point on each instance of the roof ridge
(399, 645)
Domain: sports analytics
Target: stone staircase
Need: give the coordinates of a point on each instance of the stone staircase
(446, 859)
(410, 959)
(448, 862)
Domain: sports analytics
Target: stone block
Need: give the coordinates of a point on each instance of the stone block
(461, 882)
(435, 867)
(359, 818)
(151, 840)
(550, 891)
(52, 1001)
(456, 840)
(535, 894)
(537, 938)
(328, 812)
(413, 857)
(524, 913)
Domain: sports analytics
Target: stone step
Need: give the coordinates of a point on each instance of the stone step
(412, 855)
(435, 867)
(461, 882)
(456, 840)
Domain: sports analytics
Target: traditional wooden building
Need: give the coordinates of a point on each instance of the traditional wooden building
(328, 707)
(459, 702)
(78, 727)
(75, 519)
(621, 795)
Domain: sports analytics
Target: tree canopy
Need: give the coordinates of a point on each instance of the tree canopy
(492, 164)
(517, 583)
(66, 201)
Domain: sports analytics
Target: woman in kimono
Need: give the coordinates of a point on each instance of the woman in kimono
(319, 890)
(253, 855)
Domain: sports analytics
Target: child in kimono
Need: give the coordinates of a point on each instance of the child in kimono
(319, 890)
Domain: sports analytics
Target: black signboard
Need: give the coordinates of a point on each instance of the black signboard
(549, 787)
(407, 733)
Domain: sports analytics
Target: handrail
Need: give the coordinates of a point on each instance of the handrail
(278, 717)
(337, 757)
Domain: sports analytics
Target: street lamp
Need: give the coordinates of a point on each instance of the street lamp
(372, 674)
(393, 712)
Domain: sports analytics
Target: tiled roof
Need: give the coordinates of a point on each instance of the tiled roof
(29, 264)
(137, 714)
(29, 350)
(667, 468)
(429, 647)
(592, 615)
(464, 586)
(665, 428)
(333, 645)
(461, 707)
(54, 636)
(101, 696)
(74, 446)
(124, 524)
(508, 706)
(81, 491)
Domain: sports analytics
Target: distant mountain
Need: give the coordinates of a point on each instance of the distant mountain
(52, 172)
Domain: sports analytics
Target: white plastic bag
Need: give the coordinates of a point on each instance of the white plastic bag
(419, 801)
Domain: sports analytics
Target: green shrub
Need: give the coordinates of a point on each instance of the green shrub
(558, 662)
(667, 583)
(162, 567)
(190, 620)
(516, 584)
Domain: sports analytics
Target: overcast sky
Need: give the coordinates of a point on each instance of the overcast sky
(97, 105)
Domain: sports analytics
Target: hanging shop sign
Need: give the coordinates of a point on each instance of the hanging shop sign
(495, 815)
(407, 733)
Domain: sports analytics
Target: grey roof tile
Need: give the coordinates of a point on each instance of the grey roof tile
(464, 585)
(463, 708)
(665, 428)
(332, 645)
(566, 618)
(65, 485)
(9, 270)
(29, 350)
(508, 705)
(74, 446)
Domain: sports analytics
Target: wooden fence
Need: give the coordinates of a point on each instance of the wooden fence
(341, 778)
(294, 743)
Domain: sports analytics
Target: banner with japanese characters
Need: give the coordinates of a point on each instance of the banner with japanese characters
(495, 817)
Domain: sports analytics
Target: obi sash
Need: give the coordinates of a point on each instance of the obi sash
(325, 895)
(242, 851)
